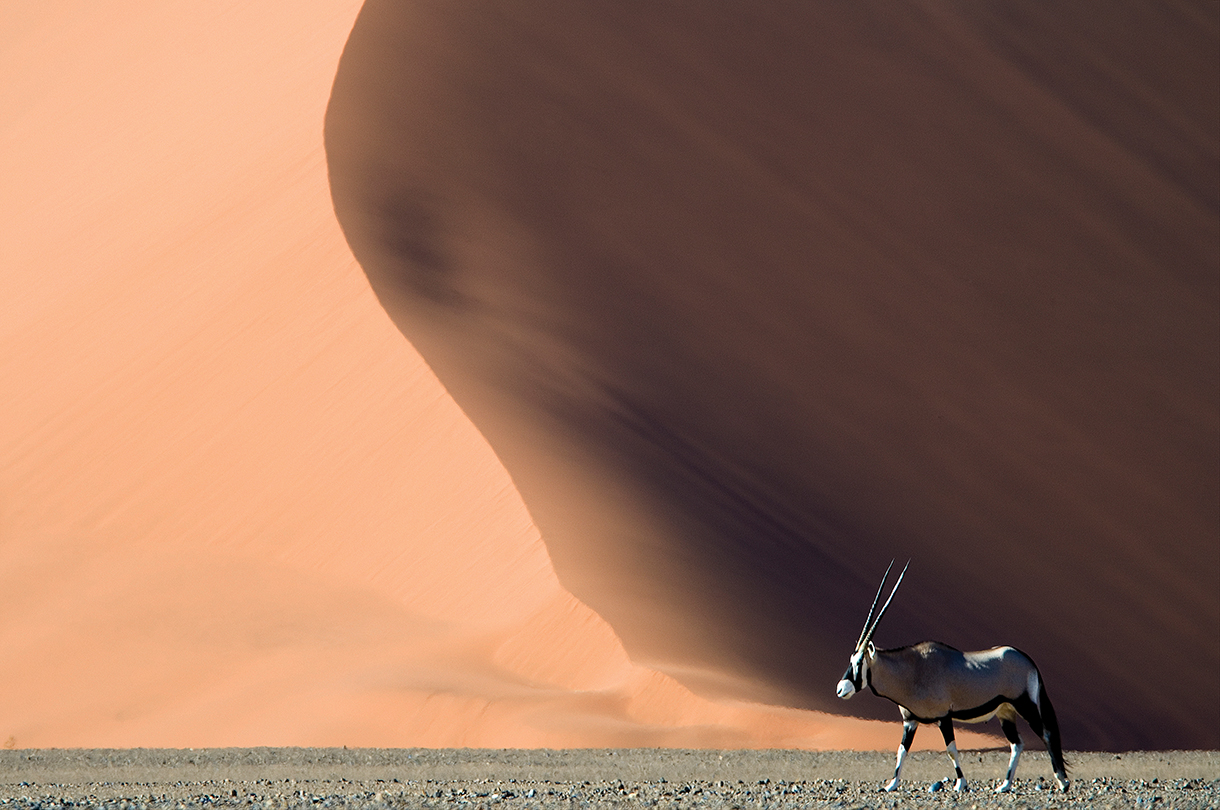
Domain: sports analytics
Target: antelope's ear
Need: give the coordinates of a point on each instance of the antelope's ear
(872, 651)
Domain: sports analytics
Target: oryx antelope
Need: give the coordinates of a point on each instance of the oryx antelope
(935, 683)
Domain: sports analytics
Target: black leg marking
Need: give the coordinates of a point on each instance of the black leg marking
(908, 734)
(1014, 739)
(946, 730)
(909, 725)
(1026, 708)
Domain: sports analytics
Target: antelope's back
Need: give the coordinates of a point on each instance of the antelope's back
(948, 680)
(997, 672)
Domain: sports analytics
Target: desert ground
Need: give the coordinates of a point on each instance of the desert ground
(574, 778)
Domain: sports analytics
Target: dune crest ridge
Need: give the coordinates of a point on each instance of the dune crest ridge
(236, 508)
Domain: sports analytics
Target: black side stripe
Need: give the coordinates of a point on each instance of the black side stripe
(962, 714)
(980, 711)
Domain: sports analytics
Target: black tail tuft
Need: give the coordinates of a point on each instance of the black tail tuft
(1050, 732)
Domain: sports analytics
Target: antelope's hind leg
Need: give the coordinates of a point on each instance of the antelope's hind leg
(909, 725)
(1014, 739)
(946, 729)
(1041, 718)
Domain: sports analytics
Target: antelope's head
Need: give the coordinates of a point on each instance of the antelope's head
(856, 676)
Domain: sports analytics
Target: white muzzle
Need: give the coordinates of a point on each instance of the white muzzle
(845, 689)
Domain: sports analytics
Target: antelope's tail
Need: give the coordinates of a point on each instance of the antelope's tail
(1050, 731)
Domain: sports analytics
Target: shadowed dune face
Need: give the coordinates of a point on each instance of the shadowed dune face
(751, 299)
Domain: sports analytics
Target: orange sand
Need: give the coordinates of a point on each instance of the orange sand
(236, 508)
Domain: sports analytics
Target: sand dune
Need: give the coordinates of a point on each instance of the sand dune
(752, 299)
(236, 508)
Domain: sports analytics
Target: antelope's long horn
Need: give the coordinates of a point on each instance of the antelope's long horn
(869, 636)
(876, 599)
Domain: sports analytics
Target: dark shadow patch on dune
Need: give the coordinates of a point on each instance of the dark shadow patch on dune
(412, 235)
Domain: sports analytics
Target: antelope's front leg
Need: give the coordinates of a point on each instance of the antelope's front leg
(946, 729)
(909, 724)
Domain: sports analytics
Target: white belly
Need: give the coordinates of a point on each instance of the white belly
(980, 719)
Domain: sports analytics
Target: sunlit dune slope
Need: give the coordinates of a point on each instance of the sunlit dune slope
(236, 508)
(751, 298)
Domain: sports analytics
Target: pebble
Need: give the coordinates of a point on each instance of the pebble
(631, 781)
(476, 795)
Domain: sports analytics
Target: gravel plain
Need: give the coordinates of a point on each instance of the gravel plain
(281, 778)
